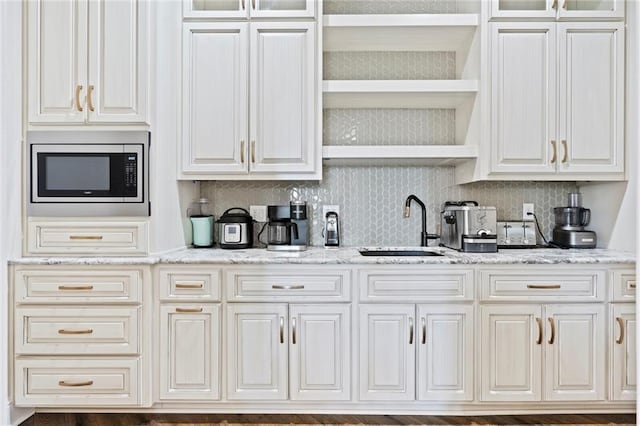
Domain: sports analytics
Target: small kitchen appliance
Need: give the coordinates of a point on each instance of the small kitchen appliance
(570, 223)
(202, 225)
(332, 230)
(468, 227)
(288, 227)
(235, 230)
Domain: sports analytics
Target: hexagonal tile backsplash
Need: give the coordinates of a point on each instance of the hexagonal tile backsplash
(389, 6)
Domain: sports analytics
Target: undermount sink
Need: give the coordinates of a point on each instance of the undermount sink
(399, 253)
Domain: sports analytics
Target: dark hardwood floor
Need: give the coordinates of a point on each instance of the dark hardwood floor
(56, 419)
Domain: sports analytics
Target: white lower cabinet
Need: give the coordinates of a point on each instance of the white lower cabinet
(440, 336)
(190, 344)
(277, 351)
(524, 344)
(623, 351)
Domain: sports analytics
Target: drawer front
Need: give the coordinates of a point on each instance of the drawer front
(190, 285)
(68, 331)
(77, 286)
(539, 285)
(68, 383)
(91, 238)
(293, 285)
(385, 285)
(623, 284)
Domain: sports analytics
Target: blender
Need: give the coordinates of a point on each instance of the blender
(570, 222)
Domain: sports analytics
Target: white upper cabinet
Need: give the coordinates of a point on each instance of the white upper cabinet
(557, 9)
(87, 61)
(249, 8)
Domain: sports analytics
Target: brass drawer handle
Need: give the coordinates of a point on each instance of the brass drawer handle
(553, 331)
(189, 285)
(287, 287)
(242, 4)
(90, 98)
(555, 152)
(78, 89)
(253, 4)
(85, 237)
(75, 287)
(87, 331)
(544, 287)
(253, 151)
(424, 331)
(293, 331)
(554, 5)
(189, 310)
(539, 321)
(565, 156)
(411, 331)
(620, 339)
(564, 5)
(242, 152)
(75, 384)
(281, 329)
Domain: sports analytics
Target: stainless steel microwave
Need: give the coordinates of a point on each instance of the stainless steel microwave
(88, 173)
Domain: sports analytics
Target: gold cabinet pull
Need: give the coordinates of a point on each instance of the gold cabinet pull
(632, 284)
(565, 156)
(189, 310)
(424, 331)
(87, 331)
(620, 339)
(90, 98)
(281, 329)
(242, 4)
(253, 151)
(85, 237)
(75, 384)
(411, 331)
(287, 287)
(554, 5)
(543, 286)
(186, 285)
(242, 152)
(293, 331)
(253, 4)
(78, 90)
(555, 152)
(539, 321)
(553, 331)
(75, 287)
(564, 4)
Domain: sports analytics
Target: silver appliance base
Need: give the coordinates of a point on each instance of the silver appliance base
(284, 247)
(574, 239)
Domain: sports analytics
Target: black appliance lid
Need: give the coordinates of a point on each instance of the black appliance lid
(241, 217)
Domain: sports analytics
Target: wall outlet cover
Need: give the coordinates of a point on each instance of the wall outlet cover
(526, 208)
(258, 213)
(330, 208)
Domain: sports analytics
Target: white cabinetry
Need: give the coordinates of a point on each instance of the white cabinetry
(87, 61)
(564, 125)
(249, 8)
(622, 336)
(557, 9)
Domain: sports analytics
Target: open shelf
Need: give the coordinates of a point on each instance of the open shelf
(398, 93)
(430, 32)
(436, 155)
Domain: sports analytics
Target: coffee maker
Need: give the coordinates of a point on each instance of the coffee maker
(288, 227)
(570, 231)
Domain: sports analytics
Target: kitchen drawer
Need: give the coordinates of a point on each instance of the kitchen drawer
(542, 284)
(623, 285)
(69, 331)
(288, 284)
(415, 285)
(190, 284)
(87, 238)
(69, 286)
(72, 382)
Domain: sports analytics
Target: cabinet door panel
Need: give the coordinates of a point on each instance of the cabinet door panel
(214, 93)
(282, 125)
(522, 9)
(215, 8)
(623, 340)
(445, 352)
(387, 358)
(257, 336)
(118, 66)
(511, 354)
(591, 57)
(282, 8)
(57, 60)
(190, 352)
(574, 362)
(594, 9)
(320, 355)
(523, 97)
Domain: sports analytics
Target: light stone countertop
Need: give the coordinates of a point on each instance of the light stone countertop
(348, 255)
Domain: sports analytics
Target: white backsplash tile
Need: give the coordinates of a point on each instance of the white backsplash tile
(389, 6)
(389, 65)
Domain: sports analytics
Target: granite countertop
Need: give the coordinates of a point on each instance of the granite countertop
(348, 255)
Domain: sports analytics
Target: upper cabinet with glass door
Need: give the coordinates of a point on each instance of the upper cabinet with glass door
(557, 9)
(245, 9)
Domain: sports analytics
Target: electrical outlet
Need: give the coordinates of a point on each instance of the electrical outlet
(330, 208)
(527, 208)
(258, 213)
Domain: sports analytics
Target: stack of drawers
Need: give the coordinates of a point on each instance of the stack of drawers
(78, 339)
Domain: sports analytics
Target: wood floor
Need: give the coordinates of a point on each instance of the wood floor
(51, 419)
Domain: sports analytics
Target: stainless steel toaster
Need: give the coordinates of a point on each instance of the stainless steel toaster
(468, 227)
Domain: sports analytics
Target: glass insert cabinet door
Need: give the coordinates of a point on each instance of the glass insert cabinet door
(561, 9)
(249, 8)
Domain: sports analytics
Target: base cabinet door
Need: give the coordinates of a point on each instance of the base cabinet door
(574, 353)
(387, 352)
(257, 351)
(445, 352)
(623, 351)
(511, 352)
(190, 352)
(319, 351)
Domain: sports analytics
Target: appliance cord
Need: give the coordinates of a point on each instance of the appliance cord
(548, 243)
